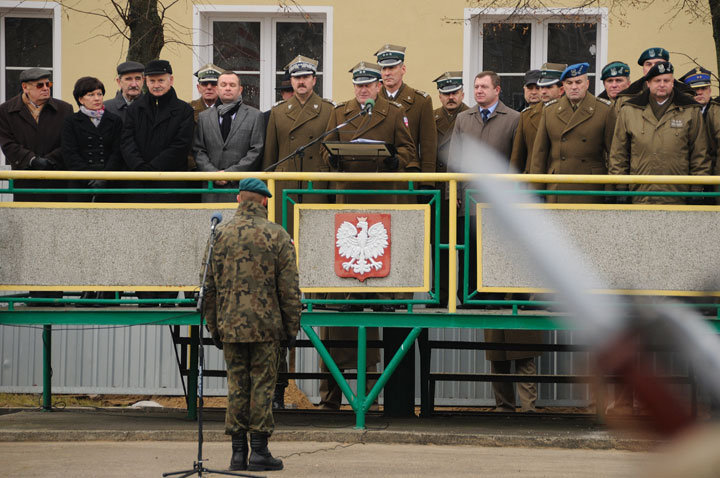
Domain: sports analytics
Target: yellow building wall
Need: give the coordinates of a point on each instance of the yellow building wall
(432, 31)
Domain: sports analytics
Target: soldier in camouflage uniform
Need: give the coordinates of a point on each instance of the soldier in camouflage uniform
(252, 301)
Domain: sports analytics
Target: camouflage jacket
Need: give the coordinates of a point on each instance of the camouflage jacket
(252, 289)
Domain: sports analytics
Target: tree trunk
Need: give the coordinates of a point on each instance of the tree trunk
(147, 37)
(715, 16)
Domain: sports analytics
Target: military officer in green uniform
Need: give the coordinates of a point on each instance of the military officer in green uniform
(293, 123)
(660, 131)
(252, 302)
(574, 136)
(417, 104)
(616, 78)
(548, 75)
(207, 87)
(450, 91)
(386, 123)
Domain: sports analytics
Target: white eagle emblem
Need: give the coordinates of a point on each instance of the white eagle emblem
(363, 247)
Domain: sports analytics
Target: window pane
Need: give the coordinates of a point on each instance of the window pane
(572, 43)
(506, 47)
(12, 83)
(318, 86)
(236, 45)
(251, 90)
(295, 39)
(28, 42)
(511, 91)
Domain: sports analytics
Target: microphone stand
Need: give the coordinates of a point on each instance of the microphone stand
(300, 151)
(198, 466)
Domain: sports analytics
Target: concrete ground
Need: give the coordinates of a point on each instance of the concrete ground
(316, 459)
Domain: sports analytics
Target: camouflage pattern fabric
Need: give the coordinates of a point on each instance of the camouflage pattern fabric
(282, 367)
(252, 290)
(251, 374)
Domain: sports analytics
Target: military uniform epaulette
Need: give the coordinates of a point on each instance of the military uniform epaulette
(280, 102)
(395, 103)
(603, 100)
(526, 108)
(327, 100)
(338, 105)
(551, 102)
(422, 93)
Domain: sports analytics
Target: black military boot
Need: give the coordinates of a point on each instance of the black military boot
(278, 401)
(260, 458)
(239, 460)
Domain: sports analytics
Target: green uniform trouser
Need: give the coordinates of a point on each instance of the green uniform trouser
(251, 375)
(282, 367)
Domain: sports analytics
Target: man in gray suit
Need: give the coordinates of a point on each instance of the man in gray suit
(229, 136)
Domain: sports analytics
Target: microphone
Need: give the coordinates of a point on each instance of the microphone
(215, 220)
(369, 105)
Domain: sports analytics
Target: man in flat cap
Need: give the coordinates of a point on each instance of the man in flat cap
(660, 131)
(130, 75)
(207, 80)
(547, 81)
(387, 123)
(616, 78)
(417, 104)
(574, 134)
(30, 129)
(228, 136)
(157, 136)
(531, 90)
(252, 302)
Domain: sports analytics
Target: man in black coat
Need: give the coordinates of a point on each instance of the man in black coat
(30, 126)
(130, 81)
(157, 136)
(158, 131)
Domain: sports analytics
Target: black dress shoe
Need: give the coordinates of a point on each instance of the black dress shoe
(383, 308)
(351, 308)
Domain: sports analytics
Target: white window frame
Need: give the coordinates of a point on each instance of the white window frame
(37, 9)
(269, 15)
(476, 17)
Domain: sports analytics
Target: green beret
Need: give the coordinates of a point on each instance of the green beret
(614, 69)
(254, 185)
(653, 53)
(662, 68)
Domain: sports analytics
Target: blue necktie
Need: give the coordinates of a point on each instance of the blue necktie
(485, 115)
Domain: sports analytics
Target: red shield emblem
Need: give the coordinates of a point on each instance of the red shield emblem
(362, 245)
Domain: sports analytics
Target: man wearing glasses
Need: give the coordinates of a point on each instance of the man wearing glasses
(207, 87)
(30, 126)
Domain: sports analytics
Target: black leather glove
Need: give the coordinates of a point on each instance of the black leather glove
(391, 163)
(696, 200)
(291, 341)
(622, 199)
(97, 183)
(41, 163)
(216, 340)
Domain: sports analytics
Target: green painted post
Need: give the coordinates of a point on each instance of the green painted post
(193, 372)
(47, 368)
(332, 367)
(385, 376)
(361, 378)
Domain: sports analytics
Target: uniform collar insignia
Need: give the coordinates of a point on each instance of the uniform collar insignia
(315, 106)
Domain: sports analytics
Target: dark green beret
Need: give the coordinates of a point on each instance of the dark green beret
(662, 68)
(653, 53)
(254, 185)
(614, 69)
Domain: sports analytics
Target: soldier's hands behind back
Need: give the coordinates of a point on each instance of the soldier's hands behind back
(216, 340)
(291, 341)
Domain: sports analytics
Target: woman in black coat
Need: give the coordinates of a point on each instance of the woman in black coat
(91, 138)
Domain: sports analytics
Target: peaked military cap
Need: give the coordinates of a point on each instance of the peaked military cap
(531, 77)
(653, 53)
(284, 84)
(34, 74)
(208, 72)
(158, 67)
(302, 65)
(254, 185)
(698, 77)
(449, 81)
(614, 69)
(130, 67)
(365, 72)
(578, 69)
(390, 55)
(550, 73)
(662, 68)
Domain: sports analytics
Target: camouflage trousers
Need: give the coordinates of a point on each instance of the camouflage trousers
(282, 367)
(251, 375)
